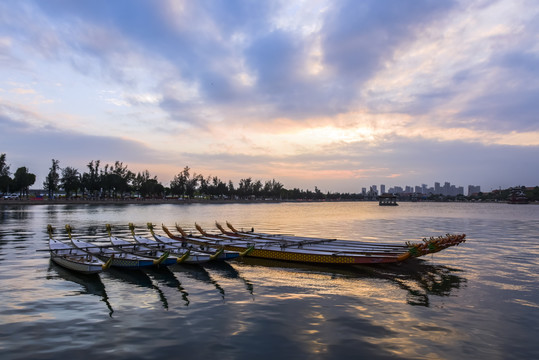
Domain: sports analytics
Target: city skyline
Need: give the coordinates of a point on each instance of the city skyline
(321, 93)
(447, 189)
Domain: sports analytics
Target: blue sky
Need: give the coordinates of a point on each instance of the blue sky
(335, 94)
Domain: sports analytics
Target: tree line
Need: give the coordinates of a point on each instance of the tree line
(117, 181)
(21, 181)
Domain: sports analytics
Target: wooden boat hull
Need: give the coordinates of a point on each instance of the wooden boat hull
(119, 259)
(180, 253)
(289, 254)
(315, 250)
(310, 258)
(136, 250)
(78, 264)
(224, 255)
(73, 258)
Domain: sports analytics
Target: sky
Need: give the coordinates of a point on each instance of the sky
(337, 94)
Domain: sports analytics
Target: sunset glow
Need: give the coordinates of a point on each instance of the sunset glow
(323, 93)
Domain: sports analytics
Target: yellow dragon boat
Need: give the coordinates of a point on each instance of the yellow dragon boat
(311, 249)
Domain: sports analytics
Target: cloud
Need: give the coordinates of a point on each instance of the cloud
(21, 136)
(358, 39)
(510, 101)
(333, 91)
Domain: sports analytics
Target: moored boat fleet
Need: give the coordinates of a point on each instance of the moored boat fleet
(183, 247)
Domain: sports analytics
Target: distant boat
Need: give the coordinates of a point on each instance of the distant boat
(517, 196)
(387, 200)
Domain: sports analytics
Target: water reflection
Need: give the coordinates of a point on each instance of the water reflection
(417, 277)
(197, 272)
(140, 279)
(300, 311)
(164, 276)
(91, 283)
(14, 212)
(229, 272)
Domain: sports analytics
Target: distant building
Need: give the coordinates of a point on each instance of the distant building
(446, 190)
(472, 189)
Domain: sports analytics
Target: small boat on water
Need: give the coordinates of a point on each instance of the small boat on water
(387, 199)
(517, 196)
(105, 252)
(314, 250)
(171, 244)
(74, 259)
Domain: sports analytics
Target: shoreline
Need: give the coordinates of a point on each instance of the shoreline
(131, 201)
(19, 202)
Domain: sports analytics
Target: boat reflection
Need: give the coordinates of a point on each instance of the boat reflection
(164, 276)
(228, 271)
(197, 272)
(416, 276)
(420, 279)
(90, 283)
(139, 278)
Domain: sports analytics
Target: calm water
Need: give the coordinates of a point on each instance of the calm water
(478, 300)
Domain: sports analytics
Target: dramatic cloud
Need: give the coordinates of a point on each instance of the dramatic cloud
(334, 94)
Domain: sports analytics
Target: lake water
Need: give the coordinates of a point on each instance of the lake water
(477, 300)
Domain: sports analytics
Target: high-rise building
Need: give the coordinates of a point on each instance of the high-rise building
(472, 189)
(382, 189)
(446, 189)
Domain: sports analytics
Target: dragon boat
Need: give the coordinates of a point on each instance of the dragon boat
(182, 255)
(117, 258)
(165, 242)
(311, 249)
(73, 258)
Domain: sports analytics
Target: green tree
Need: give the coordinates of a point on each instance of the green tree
(53, 178)
(245, 187)
(91, 181)
(178, 185)
(185, 184)
(22, 180)
(139, 181)
(121, 178)
(4, 168)
(5, 179)
(152, 188)
(230, 188)
(70, 181)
